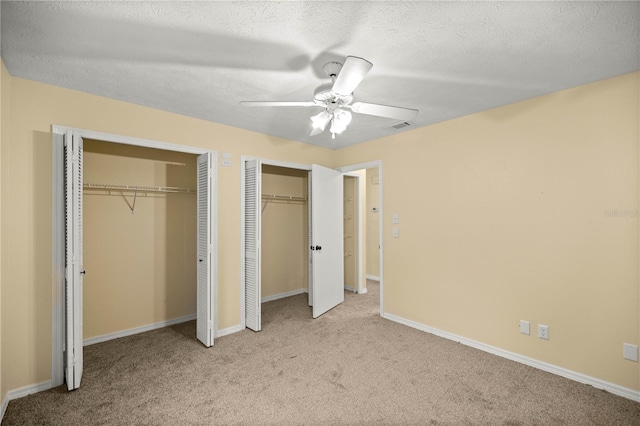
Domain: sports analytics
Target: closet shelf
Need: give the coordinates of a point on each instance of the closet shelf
(138, 188)
(283, 197)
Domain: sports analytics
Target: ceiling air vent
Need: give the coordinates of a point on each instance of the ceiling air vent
(399, 126)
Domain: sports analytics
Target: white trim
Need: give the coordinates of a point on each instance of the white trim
(351, 289)
(58, 314)
(3, 409)
(27, 390)
(360, 166)
(229, 330)
(127, 140)
(213, 190)
(363, 291)
(283, 295)
(284, 164)
(137, 330)
(373, 277)
(613, 388)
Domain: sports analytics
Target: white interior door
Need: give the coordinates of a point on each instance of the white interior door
(205, 314)
(252, 225)
(327, 238)
(73, 258)
(310, 221)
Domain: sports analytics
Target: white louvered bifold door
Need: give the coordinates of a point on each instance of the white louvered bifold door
(327, 245)
(73, 258)
(205, 303)
(252, 218)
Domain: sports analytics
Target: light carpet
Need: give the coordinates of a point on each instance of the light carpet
(349, 366)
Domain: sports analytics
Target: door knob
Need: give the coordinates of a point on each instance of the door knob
(312, 248)
(318, 248)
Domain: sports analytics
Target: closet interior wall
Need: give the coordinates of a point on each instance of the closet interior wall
(139, 248)
(285, 232)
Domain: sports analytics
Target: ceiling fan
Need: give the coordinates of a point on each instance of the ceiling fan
(335, 98)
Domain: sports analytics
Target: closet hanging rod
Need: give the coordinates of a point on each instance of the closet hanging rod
(283, 197)
(138, 188)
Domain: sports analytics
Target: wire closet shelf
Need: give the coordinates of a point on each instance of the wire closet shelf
(138, 189)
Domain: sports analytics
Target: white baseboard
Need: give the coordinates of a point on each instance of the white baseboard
(350, 288)
(229, 330)
(136, 330)
(373, 277)
(613, 388)
(363, 291)
(20, 392)
(283, 295)
(3, 409)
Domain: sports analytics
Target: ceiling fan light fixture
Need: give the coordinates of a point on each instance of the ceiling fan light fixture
(341, 120)
(319, 122)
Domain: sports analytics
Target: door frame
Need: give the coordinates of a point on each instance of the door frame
(58, 233)
(369, 165)
(263, 161)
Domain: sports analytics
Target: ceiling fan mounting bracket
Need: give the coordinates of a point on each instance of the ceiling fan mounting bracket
(332, 69)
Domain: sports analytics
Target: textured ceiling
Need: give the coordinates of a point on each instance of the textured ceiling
(446, 59)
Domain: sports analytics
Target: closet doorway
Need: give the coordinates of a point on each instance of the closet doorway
(68, 186)
(354, 232)
(371, 252)
(324, 244)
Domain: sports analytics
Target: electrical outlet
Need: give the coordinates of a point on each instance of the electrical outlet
(395, 218)
(524, 327)
(543, 331)
(396, 232)
(630, 352)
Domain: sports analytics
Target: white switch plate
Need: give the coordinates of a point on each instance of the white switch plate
(396, 218)
(630, 352)
(396, 232)
(543, 331)
(226, 163)
(524, 327)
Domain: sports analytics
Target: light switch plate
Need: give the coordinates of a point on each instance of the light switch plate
(524, 327)
(630, 352)
(226, 163)
(396, 218)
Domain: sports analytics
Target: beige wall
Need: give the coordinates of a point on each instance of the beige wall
(285, 232)
(141, 264)
(373, 227)
(504, 216)
(26, 203)
(5, 87)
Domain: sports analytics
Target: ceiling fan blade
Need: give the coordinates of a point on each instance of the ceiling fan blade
(398, 113)
(276, 103)
(351, 74)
